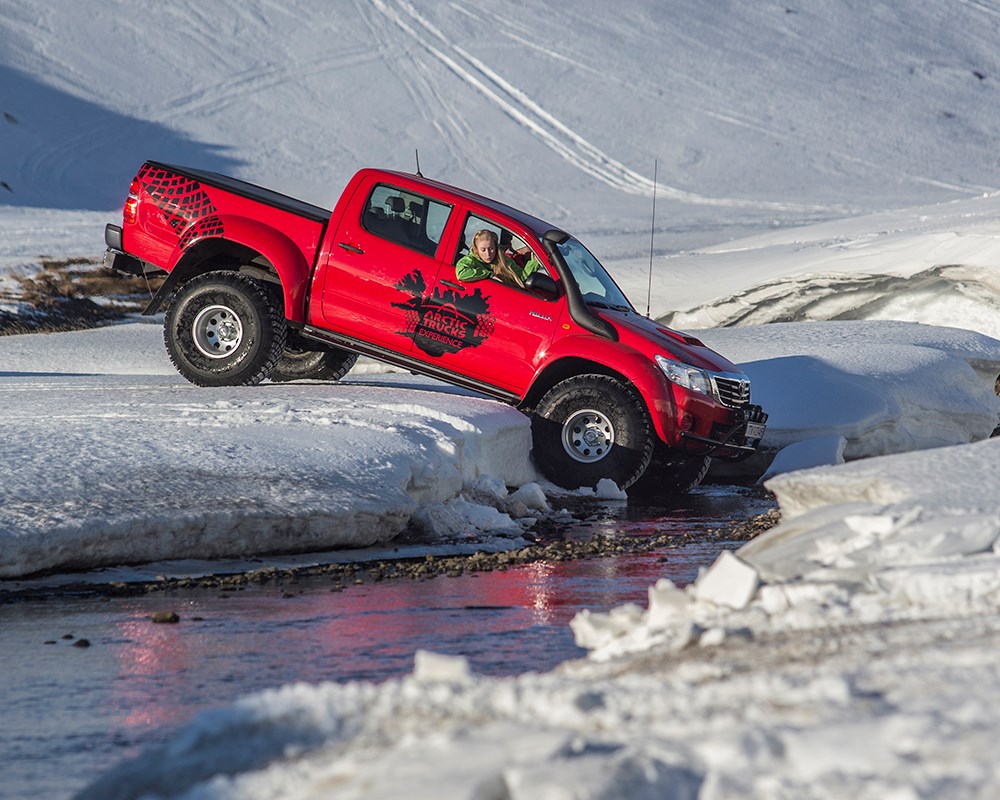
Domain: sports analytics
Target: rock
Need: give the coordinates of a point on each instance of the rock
(166, 617)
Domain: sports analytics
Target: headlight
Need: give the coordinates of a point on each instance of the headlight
(692, 378)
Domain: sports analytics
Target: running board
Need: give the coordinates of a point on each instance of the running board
(411, 364)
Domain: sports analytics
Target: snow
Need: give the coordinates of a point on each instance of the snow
(826, 183)
(126, 463)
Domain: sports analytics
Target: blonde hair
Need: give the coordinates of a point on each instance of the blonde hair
(486, 233)
(502, 268)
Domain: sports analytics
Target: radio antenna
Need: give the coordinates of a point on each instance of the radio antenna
(416, 152)
(652, 229)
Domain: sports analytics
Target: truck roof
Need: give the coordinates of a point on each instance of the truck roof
(409, 180)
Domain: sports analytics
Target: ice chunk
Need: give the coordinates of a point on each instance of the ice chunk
(607, 489)
(532, 496)
(431, 667)
(667, 603)
(594, 630)
(728, 582)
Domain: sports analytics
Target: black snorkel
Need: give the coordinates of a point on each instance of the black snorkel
(578, 309)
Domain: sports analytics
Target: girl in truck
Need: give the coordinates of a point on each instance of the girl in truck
(484, 260)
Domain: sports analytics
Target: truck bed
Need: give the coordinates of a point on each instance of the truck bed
(251, 191)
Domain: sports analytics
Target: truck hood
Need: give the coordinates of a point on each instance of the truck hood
(652, 338)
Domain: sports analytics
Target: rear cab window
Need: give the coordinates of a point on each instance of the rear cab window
(412, 220)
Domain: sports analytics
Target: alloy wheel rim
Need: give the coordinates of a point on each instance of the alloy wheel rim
(217, 331)
(588, 436)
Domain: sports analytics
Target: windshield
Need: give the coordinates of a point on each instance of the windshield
(596, 286)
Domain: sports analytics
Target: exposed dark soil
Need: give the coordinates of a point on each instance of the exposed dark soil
(74, 294)
(551, 544)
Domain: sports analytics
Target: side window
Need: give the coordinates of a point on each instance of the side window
(408, 219)
(509, 243)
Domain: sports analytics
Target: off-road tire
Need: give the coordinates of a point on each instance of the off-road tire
(590, 427)
(299, 362)
(670, 473)
(223, 328)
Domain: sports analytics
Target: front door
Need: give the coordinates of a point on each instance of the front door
(486, 329)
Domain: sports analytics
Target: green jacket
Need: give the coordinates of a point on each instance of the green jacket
(472, 268)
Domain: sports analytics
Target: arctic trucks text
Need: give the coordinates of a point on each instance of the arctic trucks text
(260, 285)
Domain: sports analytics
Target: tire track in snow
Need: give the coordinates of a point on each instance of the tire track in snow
(53, 163)
(985, 8)
(419, 83)
(565, 142)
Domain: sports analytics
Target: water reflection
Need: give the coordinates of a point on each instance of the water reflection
(505, 621)
(139, 680)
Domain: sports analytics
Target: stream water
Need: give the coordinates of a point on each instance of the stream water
(88, 681)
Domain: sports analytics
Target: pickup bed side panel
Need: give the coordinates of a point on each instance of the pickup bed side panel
(179, 209)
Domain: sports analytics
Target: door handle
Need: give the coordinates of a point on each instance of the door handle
(452, 284)
(353, 248)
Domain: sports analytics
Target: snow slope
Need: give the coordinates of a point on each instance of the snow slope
(759, 114)
(821, 161)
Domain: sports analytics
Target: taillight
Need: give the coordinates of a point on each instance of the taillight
(129, 212)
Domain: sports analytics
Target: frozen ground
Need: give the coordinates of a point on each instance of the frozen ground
(848, 653)
(822, 658)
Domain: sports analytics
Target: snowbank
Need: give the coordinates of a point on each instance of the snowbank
(885, 387)
(886, 539)
(849, 652)
(112, 458)
(933, 264)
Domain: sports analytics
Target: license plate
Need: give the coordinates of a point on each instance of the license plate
(755, 430)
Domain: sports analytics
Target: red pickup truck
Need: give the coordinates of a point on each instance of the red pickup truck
(260, 285)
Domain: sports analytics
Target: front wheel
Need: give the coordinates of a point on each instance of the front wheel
(671, 473)
(224, 329)
(590, 427)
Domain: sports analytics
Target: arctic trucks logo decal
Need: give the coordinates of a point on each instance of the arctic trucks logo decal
(446, 321)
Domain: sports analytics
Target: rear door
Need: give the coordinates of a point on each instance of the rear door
(384, 252)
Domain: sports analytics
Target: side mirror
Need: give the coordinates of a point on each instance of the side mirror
(542, 285)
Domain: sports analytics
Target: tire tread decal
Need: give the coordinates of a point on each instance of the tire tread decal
(187, 209)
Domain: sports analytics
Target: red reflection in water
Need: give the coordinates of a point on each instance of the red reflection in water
(505, 621)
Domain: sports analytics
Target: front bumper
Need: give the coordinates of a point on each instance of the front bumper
(732, 441)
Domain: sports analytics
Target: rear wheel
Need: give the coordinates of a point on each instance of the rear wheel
(224, 329)
(299, 362)
(590, 427)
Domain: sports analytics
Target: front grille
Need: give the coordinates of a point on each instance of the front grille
(733, 392)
